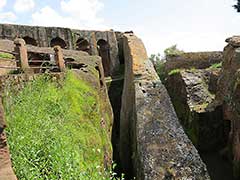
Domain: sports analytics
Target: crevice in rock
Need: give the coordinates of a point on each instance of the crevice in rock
(193, 95)
(115, 95)
(214, 132)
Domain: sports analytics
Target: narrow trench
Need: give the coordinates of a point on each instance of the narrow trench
(115, 95)
(213, 145)
(115, 91)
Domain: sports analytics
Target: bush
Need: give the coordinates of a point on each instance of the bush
(173, 51)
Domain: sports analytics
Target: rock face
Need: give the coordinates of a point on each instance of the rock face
(103, 43)
(197, 60)
(229, 95)
(6, 171)
(193, 95)
(152, 141)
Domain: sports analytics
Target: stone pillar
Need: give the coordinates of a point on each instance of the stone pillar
(22, 56)
(59, 58)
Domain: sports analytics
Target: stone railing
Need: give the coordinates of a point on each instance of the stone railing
(21, 61)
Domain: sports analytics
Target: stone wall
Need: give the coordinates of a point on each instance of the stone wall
(44, 35)
(153, 144)
(198, 60)
(193, 93)
(229, 95)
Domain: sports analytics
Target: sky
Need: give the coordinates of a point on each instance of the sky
(194, 25)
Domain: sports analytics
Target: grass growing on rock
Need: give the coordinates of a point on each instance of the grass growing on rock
(6, 56)
(216, 65)
(54, 130)
(174, 71)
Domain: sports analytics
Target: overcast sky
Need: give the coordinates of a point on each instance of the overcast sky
(194, 25)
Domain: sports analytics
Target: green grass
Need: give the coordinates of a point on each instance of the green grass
(6, 56)
(54, 131)
(216, 65)
(174, 71)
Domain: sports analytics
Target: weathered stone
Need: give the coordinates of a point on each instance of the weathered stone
(44, 36)
(6, 172)
(151, 137)
(197, 60)
(193, 93)
(228, 95)
(234, 41)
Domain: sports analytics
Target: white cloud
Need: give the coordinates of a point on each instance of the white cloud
(49, 17)
(77, 14)
(23, 5)
(7, 17)
(2, 4)
(85, 10)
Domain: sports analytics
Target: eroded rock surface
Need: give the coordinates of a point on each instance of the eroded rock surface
(229, 95)
(193, 95)
(197, 60)
(151, 137)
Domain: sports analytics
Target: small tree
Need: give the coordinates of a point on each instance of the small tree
(158, 63)
(154, 58)
(173, 51)
(237, 6)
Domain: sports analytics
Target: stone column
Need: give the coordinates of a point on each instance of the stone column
(59, 58)
(22, 56)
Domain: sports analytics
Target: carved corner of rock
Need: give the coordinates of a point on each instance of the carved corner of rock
(56, 48)
(234, 41)
(19, 41)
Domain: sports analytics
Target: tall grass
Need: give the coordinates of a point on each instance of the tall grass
(54, 131)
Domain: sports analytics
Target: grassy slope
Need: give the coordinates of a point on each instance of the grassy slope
(54, 131)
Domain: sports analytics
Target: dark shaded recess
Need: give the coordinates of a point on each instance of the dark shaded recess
(218, 161)
(30, 41)
(41, 61)
(213, 144)
(72, 64)
(115, 89)
(58, 41)
(100, 76)
(83, 45)
(104, 52)
(115, 95)
(120, 50)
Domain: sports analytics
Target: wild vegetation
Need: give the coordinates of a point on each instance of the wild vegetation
(216, 65)
(54, 130)
(6, 55)
(173, 51)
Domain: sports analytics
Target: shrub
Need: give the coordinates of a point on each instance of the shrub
(173, 51)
